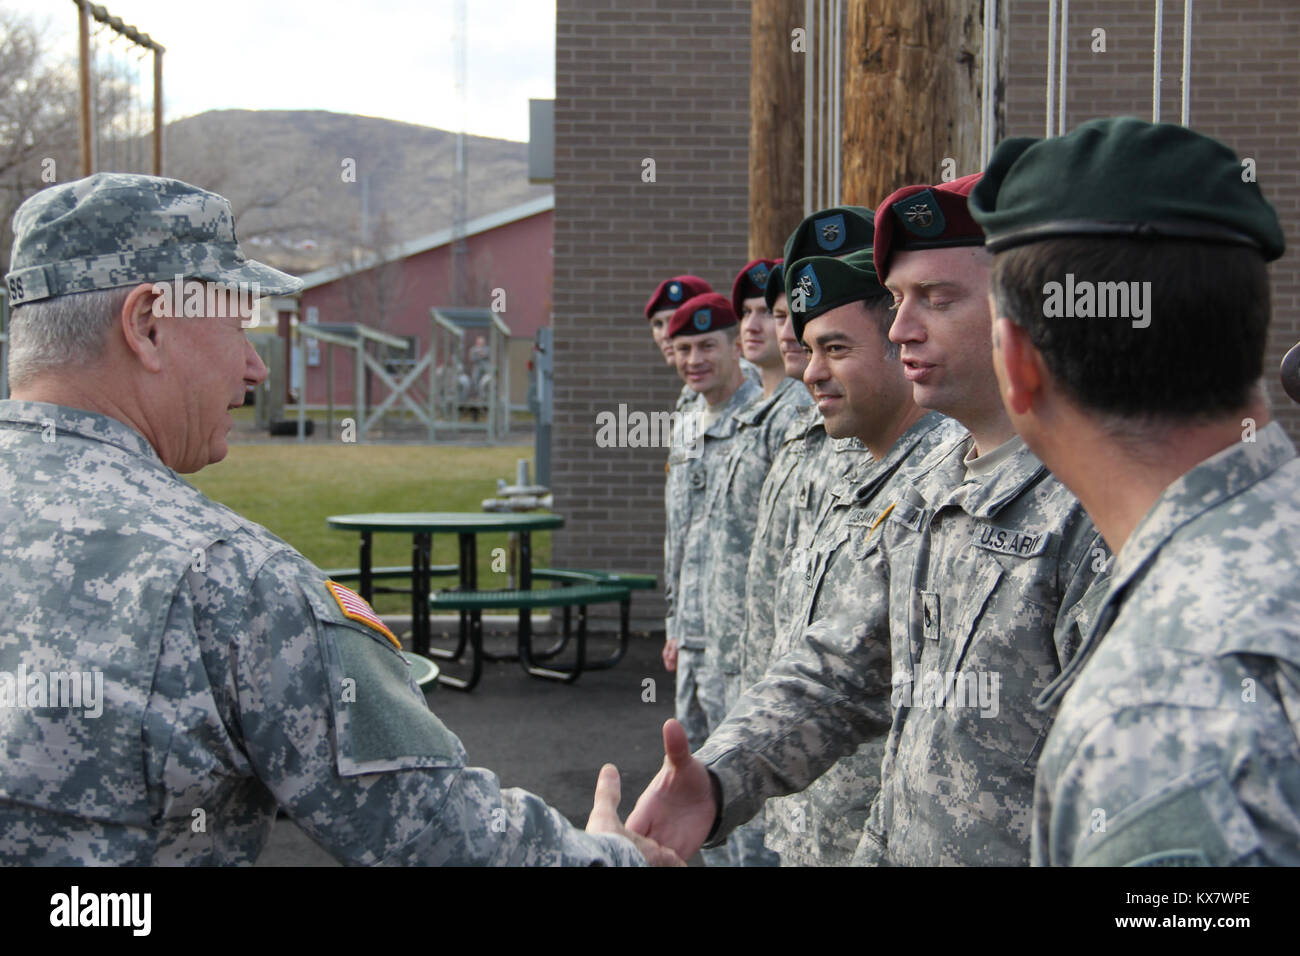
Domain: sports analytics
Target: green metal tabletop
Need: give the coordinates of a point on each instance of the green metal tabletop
(445, 522)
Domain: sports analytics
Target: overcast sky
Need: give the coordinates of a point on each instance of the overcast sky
(389, 58)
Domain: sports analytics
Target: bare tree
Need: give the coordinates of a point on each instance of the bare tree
(376, 284)
(38, 118)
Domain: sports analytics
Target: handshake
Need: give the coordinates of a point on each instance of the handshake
(673, 816)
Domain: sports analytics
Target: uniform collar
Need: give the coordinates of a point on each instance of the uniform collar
(984, 496)
(810, 421)
(759, 408)
(908, 441)
(75, 421)
(1219, 478)
(725, 424)
(863, 482)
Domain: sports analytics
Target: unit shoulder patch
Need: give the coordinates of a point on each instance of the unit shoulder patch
(355, 608)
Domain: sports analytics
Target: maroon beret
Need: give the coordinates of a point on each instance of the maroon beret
(750, 283)
(925, 217)
(702, 314)
(673, 292)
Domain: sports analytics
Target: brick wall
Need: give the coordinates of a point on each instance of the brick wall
(1245, 91)
(667, 81)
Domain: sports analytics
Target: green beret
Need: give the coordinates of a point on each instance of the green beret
(1122, 177)
(822, 283)
(831, 232)
(775, 287)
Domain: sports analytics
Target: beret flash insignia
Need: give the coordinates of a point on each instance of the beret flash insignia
(830, 232)
(809, 290)
(920, 215)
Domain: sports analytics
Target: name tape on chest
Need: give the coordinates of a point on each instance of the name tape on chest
(869, 518)
(355, 608)
(1018, 542)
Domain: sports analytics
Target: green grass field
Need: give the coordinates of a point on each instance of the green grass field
(292, 488)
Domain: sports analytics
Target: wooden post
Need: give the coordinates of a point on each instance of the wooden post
(157, 111)
(83, 43)
(912, 93)
(776, 74)
(329, 394)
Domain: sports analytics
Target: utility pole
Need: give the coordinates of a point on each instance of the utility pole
(912, 93)
(776, 129)
(460, 184)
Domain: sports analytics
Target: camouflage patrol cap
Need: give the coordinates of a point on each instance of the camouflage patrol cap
(823, 283)
(1123, 177)
(118, 229)
(831, 232)
(775, 284)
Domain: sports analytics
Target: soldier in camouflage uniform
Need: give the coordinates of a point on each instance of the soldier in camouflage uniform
(987, 563)
(704, 331)
(1177, 740)
(804, 464)
(776, 499)
(858, 381)
(807, 461)
(763, 426)
(230, 677)
(730, 512)
(659, 309)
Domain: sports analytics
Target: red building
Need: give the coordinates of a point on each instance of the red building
(509, 270)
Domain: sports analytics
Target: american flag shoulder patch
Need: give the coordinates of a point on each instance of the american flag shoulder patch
(355, 608)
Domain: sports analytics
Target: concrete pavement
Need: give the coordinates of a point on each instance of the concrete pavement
(545, 737)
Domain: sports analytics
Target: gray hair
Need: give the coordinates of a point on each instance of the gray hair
(62, 332)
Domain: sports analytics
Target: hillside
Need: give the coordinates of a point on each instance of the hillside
(282, 171)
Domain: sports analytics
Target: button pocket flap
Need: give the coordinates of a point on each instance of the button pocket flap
(908, 515)
(864, 539)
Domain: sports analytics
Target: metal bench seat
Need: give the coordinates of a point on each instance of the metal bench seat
(576, 595)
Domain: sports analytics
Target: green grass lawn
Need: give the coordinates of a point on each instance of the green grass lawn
(292, 488)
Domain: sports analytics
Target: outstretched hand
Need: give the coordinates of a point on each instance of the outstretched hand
(677, 810)
(604, 819)
(669, 655)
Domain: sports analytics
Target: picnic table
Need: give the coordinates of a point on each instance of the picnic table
(469, 601)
